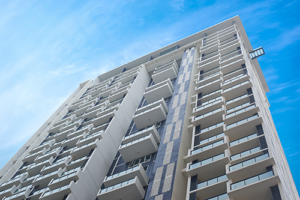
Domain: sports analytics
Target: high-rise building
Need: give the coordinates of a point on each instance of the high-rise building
(188, 121)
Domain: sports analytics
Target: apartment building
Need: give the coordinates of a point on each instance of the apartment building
(188, 121)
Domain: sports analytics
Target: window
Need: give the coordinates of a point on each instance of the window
(138, 161)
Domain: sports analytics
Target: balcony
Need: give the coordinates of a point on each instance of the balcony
(35, 195)
(129, 190)
(71, 125)
(229, 57)
(238, 77)
(104, 117)
(236, 90)
(207, 77)
(211, 131)
(244, 143)
(43, 180)
(100, 105)
(128, 174)
(65, 178)
(34, 168)
(99, 127)
(150, 114)
(246, 125)
(229, 45)
(57, 193)
(70, 118)
(15, 181)
(82, 110)
(249, 167)
(209, 65)
(31, 157)
(236, 101)
(72, 141)
(84, 150)
(89, 138)
(158, 91)
(47, 155)
(137, 148)
(212, 56)
(61, 163)
(77, 162)
(256, 187)
(212, 165)
(209, 106)
(209, 47)
(80, 131)
(232, 65)
(165, 71)
(45, 145)
(20, 194)
(208, 87)
(211, 187)
(240, 112)
(7, 192)
(208, 118)
(208, 150)
(57, 127)
(142, 133)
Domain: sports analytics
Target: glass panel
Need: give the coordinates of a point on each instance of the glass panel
(251, 180)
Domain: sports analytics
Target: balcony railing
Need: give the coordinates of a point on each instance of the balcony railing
(209, 113)
(45, 176)
(245, 153)
(234, 78)
(238, 85)
(212, 138)
(249, 137)
(240, 111)
(251, 180)
(228, 40)
(201, 86)
(220, 197)
(122, 173)
(77, 160)
(238, 107)
(211, 93)
(209, 76)
(248, 162)
(117, 186)
(209, 103)
(197, 150)
(135, 141)
(242, 121)
(231, 55)
(212, 181)
(56, 190)
(206, 161)
(212, 127)
(138, 132)
(237, 98)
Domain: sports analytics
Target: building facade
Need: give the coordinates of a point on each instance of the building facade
(188, 121)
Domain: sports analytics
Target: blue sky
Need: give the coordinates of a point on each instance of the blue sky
(48, 47)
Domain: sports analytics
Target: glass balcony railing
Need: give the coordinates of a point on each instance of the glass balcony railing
(211, 70)
(207, 104)
(212, 138)
(206, 161)
(211, 93)
(147, 110)
(23, 189)
(237, 98)
(248, 162)
(55, 164)
(206, 114)
(238, 107)
(117, 186)
(212, 127)
(240, 76)
(231, 55)
(163, 68)
(45, 176)
(98, 126)
(201, 86)
(209, 76)
(55, 190)
(197, 150)
(138, 132)
(240, 111)
(251, 180)
(219, 197)
(242, 121)
(122, 173)
(77, 160)
(31, 178)
(38, 164)
(245, 153)
(40, 191)
(238, 85)
(212, 181)
(209, 55)
(32, 154)
(4, 191)
(14, 195)
(239, 69)
(63, 177)
(249, 137)
(70, 171)
(135, 141)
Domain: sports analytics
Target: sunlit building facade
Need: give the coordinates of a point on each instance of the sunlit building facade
(188, 121)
